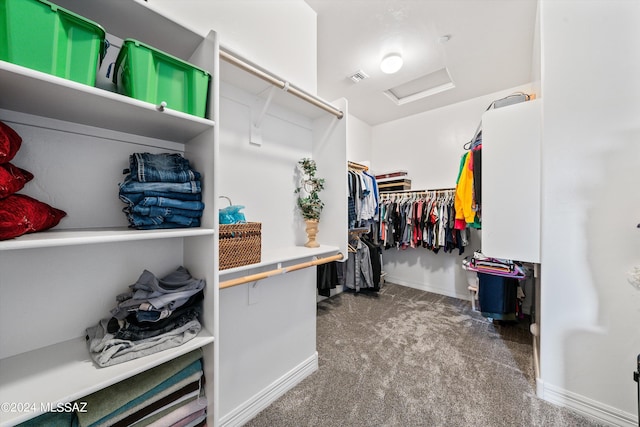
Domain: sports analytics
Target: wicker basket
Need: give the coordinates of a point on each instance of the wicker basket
(240, 244)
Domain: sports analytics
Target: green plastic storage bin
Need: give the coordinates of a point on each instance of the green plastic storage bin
(148, 74)
(40, 35)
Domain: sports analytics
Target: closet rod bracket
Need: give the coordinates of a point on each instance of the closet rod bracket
(256, 133)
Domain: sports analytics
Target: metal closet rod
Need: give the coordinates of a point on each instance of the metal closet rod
(278, 271)
(232, 59)
(435, 190)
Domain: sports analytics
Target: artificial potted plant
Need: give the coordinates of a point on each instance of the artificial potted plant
(309, 200)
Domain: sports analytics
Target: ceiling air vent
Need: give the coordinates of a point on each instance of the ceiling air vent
(358, 76)
(419, 88)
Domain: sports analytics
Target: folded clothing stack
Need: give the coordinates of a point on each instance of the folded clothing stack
(161, 191)
(162, 396)
(171, 394)
(156, 314)
(495, 266)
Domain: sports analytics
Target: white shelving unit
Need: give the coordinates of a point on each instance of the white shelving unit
(76, 141)
(511, 189)
(268, 328)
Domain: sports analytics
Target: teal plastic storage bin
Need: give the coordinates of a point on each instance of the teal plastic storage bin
(145, 73)
(40, 35)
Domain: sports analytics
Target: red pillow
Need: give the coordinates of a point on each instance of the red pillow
(12, 179)
(10, 143)
(20, 214)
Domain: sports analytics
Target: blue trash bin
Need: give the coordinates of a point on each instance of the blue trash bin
(497, 296)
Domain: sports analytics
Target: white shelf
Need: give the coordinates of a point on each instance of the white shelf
(54, 238)
(45, 95)
(65, 372)
(282, 255)
(137, 19)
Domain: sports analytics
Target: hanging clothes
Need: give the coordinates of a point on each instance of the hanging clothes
(327, 278)
(363, 205)
(464, 203)
(363, 267)
(357, 273)
(420, 219)
(375, 256)
(469, 185)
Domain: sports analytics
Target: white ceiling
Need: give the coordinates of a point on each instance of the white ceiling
(490, 49)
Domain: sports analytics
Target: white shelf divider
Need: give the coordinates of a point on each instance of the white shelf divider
(54, 238)
(33, 92)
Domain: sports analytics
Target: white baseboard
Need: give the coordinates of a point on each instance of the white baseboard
(539, 388)
(427, 288)
(249, 409)
(536, 368)
(589, 408)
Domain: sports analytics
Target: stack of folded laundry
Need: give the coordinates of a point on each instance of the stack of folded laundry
(156, 314)
(167, 395)
(161, 191)
(171, 394)
(496, 266)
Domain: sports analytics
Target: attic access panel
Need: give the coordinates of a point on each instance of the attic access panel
(422, 87)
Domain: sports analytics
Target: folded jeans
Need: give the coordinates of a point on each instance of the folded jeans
(137, 220)
(131, 186)
(165, 212)
(135, 198)
(163, 167)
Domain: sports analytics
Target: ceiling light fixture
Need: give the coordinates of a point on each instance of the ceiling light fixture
(391, 63)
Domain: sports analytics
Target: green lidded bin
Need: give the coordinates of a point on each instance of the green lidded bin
(150, 75)
(42, 36)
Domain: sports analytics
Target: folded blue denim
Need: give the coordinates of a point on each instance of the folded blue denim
(135, 198)
(165, 212)
(166, 226)
(134, 332)
(166, 202)
(138, 220)
(131, 186)
(163, 167)
(146, 314)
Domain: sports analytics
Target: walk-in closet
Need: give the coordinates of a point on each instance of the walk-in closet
(312, 212)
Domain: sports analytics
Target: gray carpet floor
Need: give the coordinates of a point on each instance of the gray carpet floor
(405, 357)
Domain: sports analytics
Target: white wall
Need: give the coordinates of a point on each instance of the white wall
(260, 176)
(279, 35)
(591, 205)
(359, 134)
(429, 146)
(536, 66)
(267, 334)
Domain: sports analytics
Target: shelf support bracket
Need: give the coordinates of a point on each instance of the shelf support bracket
(256, 132)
